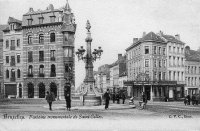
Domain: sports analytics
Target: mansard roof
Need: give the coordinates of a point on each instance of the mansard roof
(192, 55)
(13, 20)
(150, 37)
(172, 39)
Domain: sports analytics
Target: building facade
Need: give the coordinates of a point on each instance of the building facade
(117, 68)
(48, 48)
(148, 66)
(13, 54)
(2, 27)
(192, 71)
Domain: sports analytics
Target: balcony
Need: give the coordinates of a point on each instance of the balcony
(41, 75)
(12, 79)
(12, 47)
(30, 75)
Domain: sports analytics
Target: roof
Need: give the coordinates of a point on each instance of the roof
(151, 36)
(2, 27)
(171, 38)
(13, 20)
(192, 55)
(122, 60)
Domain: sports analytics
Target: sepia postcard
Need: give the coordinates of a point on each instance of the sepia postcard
(99, 65)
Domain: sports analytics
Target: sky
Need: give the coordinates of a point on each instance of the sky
(116, 22)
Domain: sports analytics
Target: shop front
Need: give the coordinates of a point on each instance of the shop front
(157, 90)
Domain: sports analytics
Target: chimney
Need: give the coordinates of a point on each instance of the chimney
(144, 33)
(31, 9)
(119, 56)
(177, 36)
(135, 40)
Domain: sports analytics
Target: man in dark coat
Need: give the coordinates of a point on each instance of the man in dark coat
(123, 97)
(67, 96)
(113, 97)
(107, 98)
(188, 98)
(118, 98)
(50, 98)
(193, 99)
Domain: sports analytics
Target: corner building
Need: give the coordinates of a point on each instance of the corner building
(12, 55)
(150, 69)
(48, 48)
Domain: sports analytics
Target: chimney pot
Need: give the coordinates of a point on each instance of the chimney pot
(177, 36)
(135, 40)
(119, 56)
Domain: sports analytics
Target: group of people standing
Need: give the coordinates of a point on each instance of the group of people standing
(195, 99)
(115, 97)
(50, 97)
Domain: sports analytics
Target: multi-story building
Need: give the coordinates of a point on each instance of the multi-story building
(117, 68)
(149, 69)
(48, 48)
(122, 79)
(192, 71)
(2, 27)
(12, 53)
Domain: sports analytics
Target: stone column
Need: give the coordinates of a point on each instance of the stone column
(151, 93)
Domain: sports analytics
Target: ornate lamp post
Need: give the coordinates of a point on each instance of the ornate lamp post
(89, 58)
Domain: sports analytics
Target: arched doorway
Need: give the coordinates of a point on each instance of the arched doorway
(41, 90)
(53, 88)
(30, 90)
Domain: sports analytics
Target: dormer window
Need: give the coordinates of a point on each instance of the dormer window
(52, 19)
(41, 20)
(30, 21)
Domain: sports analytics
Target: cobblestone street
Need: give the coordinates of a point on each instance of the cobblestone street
(164, 113)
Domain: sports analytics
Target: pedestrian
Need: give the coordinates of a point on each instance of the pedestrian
(50, 98)
(113, 97)
(185, 100)
(123, 97)
(193, 99)
(67, 96)
(188, 98)
(107, 98)
(144, 100)
(197, 99)
(117, 97)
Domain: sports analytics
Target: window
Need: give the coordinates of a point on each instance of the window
(174, 60)
(41, 20)
(41, 55)
(18, 42)
(7, 73)
(12, 62)
(178, 50)
(146, 49)
(52, 53)
(53, 71)
(164, 63)
(169, 48)
(174, 49)
(159, 63)
(163, 77)
(66, 68)
(154, 49)
(178, 62)
(41, 71)
(159, 76)
(146, 62)
(12, 47)
(12, 75)
(155, 75)
(164, 51)
(155, 63)
(30, 39)
(7, 43)
(18, 73)
(41, 39)
(159, 50)
(30, 71)
(52, 37)
(29, 21)
(7, 59)
(52, 19)
(68, 52)
(30, 56)
(66, 36)
(18, 58)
